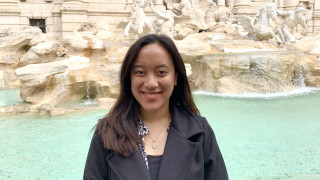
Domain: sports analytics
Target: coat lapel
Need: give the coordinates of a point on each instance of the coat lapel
(180, 151)
(177, 157)
(123, 168)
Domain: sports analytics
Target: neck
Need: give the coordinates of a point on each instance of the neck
(156, 117)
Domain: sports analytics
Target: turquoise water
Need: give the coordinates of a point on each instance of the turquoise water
(9, 97)
(44, 147)
(266, 138)
(260, 139)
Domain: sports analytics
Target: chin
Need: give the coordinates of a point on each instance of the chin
(151, 108)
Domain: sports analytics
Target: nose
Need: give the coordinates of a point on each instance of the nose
(151, 82)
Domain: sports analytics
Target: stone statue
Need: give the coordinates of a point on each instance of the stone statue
(164, 21)
(259, 28)
(220, 19)
(189, 15)
(291, 20)
(211, 18)
(219, 15)
(138, 22)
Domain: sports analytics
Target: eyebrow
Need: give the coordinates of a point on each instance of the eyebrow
(158, 66)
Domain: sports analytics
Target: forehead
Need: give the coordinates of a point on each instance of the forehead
(153, 54)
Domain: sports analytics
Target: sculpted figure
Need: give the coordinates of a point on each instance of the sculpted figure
(259, 28)
(219, 15)
(189, 15)
(132, 21)
(210, 16)
(291, 20)
(164, 22)
(138, 21)
(220, 19)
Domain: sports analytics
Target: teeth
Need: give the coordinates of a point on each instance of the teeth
(151, 94)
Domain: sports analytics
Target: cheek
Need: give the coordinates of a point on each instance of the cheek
(136, 85)
(170, 83)
(133, 84)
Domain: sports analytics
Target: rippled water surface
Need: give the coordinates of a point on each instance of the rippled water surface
(260, 139)
(266, 138)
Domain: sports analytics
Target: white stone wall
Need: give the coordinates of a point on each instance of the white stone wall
(67, 15)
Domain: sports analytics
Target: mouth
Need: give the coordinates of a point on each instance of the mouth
(150, 94)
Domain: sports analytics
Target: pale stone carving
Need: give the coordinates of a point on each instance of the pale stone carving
(190, 15)
(84, 27)
(309, 45)
(76, 41)
(291, 20)
(219, 15)
(4, 32)
(17, 39)
(106, 102)
(61, 51)
(183, 30)
(218, 63)
(138, 22)
(42, 52)
(211, 18)
(220, 19)
(259, 28)
(36, 74)
(164, 21)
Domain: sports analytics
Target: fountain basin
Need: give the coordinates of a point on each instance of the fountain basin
(259, 138)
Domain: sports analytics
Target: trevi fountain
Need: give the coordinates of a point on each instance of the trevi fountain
(254, 71)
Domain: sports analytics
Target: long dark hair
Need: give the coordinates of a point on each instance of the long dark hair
(118, 130)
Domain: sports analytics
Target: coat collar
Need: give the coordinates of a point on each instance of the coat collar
(178, 154)
(185, 122)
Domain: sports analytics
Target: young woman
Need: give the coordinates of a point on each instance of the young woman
(154, 130)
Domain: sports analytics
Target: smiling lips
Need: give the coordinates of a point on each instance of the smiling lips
(150, 95)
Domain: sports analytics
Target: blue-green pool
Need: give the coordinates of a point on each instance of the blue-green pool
(9, 97)
(260, 138)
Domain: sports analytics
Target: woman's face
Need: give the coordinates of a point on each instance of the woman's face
(153, 78)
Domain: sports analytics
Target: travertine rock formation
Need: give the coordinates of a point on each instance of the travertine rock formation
(242, 66)
(12, 46)
(86, 65)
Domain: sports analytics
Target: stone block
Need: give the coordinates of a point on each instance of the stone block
(24, 20)
(316, 22)
(290, 3)
(57, 24)
(9, 20)
(246, 10)
(74, 18)
(70, 27)
(237, 3)
(49, 20)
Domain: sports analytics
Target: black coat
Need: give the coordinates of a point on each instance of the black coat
(191, 152)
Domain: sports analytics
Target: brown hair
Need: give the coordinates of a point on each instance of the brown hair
(118, 130)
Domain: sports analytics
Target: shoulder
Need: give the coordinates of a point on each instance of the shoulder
(194, 118)
(203, 123)
(196, 121)
(187, 122)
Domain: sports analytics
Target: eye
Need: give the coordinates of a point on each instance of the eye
(139, 73)
(162, 72)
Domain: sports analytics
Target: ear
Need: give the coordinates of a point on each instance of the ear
(176, 79)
